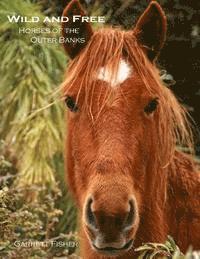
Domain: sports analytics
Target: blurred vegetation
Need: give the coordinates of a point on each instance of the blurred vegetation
(27, 227)
(32, 116)
(28, 74)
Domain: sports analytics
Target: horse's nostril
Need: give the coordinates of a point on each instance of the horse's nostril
(131, 215)
(89, 215)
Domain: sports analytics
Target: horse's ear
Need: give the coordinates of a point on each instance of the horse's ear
(84, 29)
(151, 29)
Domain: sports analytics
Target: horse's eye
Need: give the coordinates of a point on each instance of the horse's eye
(71, 104)
(151, 106)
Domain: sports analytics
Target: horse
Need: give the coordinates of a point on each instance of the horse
(131, 181)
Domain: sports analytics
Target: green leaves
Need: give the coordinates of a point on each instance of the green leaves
(169, 250)
(32, 116)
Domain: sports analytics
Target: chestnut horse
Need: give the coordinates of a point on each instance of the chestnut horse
(130, 181)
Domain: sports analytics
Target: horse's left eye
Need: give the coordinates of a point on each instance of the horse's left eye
(71, 104)
(151, 106)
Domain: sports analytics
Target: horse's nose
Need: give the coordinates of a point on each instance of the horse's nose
(105, 221)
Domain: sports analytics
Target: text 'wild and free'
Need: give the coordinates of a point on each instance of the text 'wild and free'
(74, 18)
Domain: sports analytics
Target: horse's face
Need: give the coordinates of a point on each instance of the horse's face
(111, 129)
(110, 157)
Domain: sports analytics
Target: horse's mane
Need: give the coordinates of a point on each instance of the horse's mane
(108, 46)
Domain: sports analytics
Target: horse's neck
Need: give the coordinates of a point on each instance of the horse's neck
(183, 199)
(183, 175)
(179, 177)
(169, 191)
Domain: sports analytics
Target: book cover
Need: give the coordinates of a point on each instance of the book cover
(99, 129)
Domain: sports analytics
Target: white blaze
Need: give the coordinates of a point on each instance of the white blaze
(124, 72)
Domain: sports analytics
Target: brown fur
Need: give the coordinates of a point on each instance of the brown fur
(115, 150)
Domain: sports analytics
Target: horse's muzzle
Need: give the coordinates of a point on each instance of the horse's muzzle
(110, 234)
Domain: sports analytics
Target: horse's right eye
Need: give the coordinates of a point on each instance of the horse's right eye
(71, 104)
